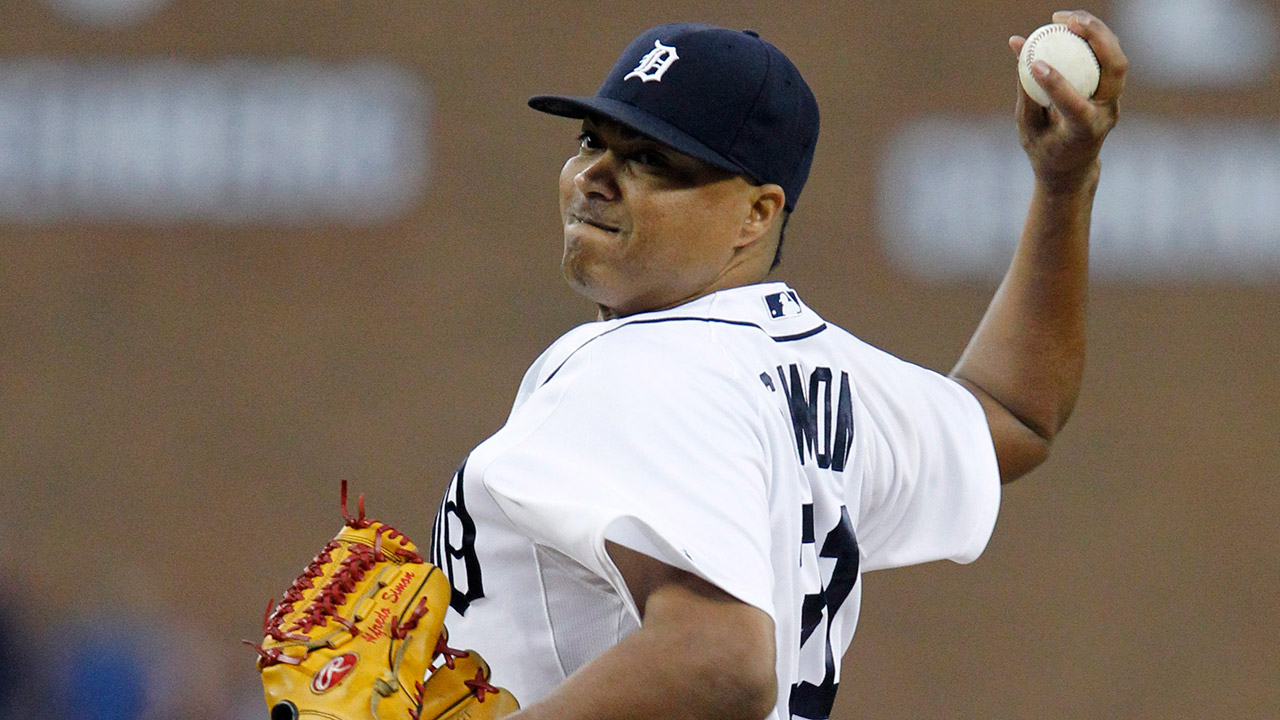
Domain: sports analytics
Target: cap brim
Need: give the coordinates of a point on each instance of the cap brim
(638, 120)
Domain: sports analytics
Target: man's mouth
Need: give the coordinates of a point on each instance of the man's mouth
(574, 218)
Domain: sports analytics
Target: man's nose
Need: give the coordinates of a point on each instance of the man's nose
(599, 177)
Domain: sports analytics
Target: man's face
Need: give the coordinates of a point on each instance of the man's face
(646, 227)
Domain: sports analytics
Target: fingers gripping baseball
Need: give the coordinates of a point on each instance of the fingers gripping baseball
(1063, 141)
(1106, 46)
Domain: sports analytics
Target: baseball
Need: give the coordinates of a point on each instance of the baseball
(1065, 52)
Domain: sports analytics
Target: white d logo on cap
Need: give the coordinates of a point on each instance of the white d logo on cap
(653, 65)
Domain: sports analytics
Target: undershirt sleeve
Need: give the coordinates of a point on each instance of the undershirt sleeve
(659, 451)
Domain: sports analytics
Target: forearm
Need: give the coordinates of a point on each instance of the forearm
(670, 668)
(1027, 354)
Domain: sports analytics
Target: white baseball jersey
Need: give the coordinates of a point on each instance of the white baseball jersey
(738, 437)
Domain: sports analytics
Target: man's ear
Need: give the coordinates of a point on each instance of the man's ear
(765, 210)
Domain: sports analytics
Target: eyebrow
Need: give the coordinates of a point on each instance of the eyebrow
(629, 135)
(623, 131)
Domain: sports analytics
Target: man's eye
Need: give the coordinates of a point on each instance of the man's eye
(588, 141)
(651, 158)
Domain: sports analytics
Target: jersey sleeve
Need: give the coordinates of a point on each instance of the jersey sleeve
(656, 450)
(931, 485)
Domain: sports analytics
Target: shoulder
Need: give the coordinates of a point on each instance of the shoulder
(670, 352)
(718, 343)
(653, 367)
(644, 347)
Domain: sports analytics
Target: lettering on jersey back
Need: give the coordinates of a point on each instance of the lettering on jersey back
(453, 538)
(817, 438)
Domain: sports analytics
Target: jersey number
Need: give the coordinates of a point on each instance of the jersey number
(453, 538)
(809, 700)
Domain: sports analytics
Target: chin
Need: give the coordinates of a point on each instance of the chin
(583, 282)
(576, 273)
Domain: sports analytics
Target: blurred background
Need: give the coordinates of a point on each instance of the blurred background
(248, 249)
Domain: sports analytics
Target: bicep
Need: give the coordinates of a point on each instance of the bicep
(728, 644)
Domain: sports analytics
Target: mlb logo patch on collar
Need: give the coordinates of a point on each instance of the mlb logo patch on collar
(783, 304)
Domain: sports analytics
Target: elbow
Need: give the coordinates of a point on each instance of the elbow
(729, 666)
(756, 689)
(763, 697)
(739, 678)
(737, 688)
(1018, 456)
(1022, 440)
(758, 701)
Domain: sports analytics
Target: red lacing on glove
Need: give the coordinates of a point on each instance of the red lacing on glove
(480, 686)
(274, 656)
(360, 521)
(345, 578)
(449, 653)
(399, 629)
(316, 568)
(419, 689)
(326, 603)
(271, 623)
(394, 534)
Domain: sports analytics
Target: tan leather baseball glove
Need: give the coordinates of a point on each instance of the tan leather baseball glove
(360, 636)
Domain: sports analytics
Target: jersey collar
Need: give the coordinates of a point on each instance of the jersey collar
(774, 307)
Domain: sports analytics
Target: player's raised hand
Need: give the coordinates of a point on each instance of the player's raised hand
(1063, 141)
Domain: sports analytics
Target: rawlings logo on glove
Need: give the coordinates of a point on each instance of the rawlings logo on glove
(360, 636)
(333, 672)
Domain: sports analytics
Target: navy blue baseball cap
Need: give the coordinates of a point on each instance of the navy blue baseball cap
(722, 96)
